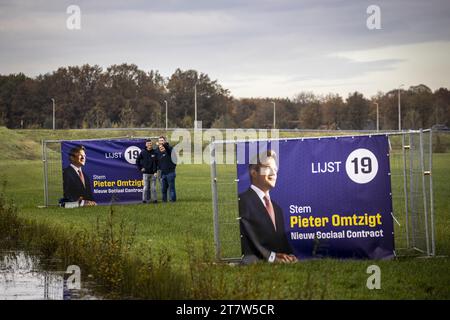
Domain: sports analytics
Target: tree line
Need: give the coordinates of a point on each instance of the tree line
(125, 96)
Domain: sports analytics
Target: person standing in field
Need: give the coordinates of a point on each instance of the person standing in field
(147, 163)
(263, 236)
(76, 184)
(167, 167)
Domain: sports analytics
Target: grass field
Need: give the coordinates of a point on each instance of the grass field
(176, 228)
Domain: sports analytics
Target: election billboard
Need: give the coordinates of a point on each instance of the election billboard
(109, 171)
(323, 197)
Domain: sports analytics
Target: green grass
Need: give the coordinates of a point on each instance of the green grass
(14, 145)
(176, 228)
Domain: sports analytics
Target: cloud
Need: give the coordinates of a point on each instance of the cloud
(278, 46)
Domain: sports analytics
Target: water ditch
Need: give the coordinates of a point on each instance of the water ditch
(28, 276)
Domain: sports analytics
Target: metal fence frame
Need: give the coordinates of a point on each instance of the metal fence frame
(406, 136)
(406, 139)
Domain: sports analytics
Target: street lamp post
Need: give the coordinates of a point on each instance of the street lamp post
(54, 122)
(274, 115)
(165, 101)
(399, 110)
(378, 117)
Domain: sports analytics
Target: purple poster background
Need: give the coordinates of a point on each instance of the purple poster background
(313, 176)
(110, 166)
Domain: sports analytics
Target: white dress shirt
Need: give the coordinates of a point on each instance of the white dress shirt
(261, 196)
(78, 170)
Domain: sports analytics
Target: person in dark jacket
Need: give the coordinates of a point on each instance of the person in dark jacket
(76, 184)
(167, 167)
(261, 219)
(147, 162)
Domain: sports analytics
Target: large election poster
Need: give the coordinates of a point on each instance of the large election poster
(334, 196)
(110, 170)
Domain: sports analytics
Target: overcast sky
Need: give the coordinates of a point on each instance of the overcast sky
(254, 48)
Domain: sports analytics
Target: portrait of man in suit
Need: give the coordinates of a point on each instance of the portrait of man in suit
(261, 219)
(76, 183)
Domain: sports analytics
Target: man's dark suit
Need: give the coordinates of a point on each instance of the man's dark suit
(259, 237)
(74, 188)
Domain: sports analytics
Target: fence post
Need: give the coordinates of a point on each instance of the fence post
(411, 189)
(433, 245)
(215, 198)
(424, 193)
